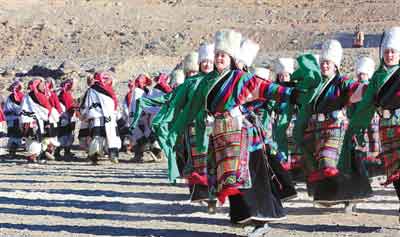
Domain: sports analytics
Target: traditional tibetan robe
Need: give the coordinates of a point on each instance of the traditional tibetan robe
(191, 162)
(323, 124)
(37, 114)
(124, 120)
(3, 132)
(67, 119)
(370, 146)
(12, 111)
(382, 96)
(233, 171)
(100, 109)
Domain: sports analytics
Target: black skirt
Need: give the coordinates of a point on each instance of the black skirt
(198, 193)
(344, 187)
(262, 201)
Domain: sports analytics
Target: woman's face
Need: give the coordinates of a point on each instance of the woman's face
(42, 86)
(90, 80)
(284, 77)
(362, 76)
(222, 61)
(109, 82)
(328, 68)
(391, 57)
(206, 66)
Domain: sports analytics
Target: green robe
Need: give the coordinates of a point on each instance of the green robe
(364, 112)
(173, 106)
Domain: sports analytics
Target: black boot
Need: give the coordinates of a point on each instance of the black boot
(12, 151)
(68, 156)
(94, 159)
(57, 154)
(42, 159)
(139, 151)
(113, 155)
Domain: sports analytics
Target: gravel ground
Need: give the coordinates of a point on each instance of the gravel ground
(130, 199)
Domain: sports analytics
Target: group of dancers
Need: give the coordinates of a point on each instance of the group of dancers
(233, 130)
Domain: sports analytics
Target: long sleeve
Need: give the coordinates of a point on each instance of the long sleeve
(241, 88)
(143, 103)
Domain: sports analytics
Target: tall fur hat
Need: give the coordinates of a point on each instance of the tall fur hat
(191, 62)
(228, 41)
(365, 65)
(206, 52)
(284, 65)
(332, 50)
(248, 52)
(177, 77)
(391, 39)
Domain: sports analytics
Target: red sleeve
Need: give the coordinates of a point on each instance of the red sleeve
(165, 87)
(67, 100)
(55, 102)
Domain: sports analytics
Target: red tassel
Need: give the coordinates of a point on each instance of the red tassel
(195, 178)
(226, 193)
(320, 175)
(286, 166)
(330, 172)
(392, 178)
(314, 177)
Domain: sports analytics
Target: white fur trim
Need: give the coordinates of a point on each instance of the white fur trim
(228, 41)
(332, 50)
(248, 52)
(284, 65)
(391, 40)
(365, 65)
(206, 52)
(262, 72)
(191, 62)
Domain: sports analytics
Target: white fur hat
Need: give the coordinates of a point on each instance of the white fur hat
(284, 65)
(332, 50)
(248, 52)
(317, 57)
(262, 72)
(228, 41)
(391, 39)
(191, 62)
(365, 65)
(206, 52)
(177, 77)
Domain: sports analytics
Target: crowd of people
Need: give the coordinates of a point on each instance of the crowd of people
(233, 130)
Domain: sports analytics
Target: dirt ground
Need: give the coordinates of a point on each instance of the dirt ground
(130, 199)
(135, 36)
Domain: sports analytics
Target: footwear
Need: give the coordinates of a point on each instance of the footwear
(114, 160)
(31, 159)
(157, 153)
(113, 157)
(68, 156)
(94, 159)
(138, 157)
(49, 156)
(57, 154)
(212, 207)
(260, 231)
